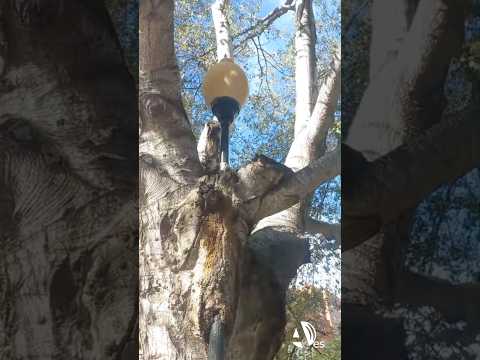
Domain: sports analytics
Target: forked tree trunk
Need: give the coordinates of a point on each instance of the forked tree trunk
(202, 266)
(68, 269)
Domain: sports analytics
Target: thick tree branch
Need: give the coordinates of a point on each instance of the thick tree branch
(378, 192)
(166, 137)
(409, 60)
(321, 227)
(306, 144)
(297, 186)
(271, 260)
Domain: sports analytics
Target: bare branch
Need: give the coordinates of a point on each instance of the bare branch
(253, 31)
(262, 24)
(321, 227)
(259, 177)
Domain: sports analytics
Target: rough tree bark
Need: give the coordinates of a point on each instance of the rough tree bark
(201, 260)
(68, 174)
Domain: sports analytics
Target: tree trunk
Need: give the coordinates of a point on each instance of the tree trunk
(203, 269)
(67, 168)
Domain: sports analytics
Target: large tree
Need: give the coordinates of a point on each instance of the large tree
(218, 248)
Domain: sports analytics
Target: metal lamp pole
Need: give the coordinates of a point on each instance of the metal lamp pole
(225, 109)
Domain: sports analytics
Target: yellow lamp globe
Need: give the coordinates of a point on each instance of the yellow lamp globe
(225, 79)
(225, 88)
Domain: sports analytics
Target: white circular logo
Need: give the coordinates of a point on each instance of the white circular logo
(309, 332)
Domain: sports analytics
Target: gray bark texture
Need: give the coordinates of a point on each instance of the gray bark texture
(68, 178)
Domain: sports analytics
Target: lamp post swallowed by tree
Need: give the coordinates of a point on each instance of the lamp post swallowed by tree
(225, 88)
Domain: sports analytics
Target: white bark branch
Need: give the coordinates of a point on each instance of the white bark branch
(222, 32)
(306, 144)
(305, 63)
(329, 92)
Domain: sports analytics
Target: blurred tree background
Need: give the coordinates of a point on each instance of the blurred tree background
(444, 237)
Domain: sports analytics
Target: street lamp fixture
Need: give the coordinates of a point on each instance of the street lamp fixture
(225, 88)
